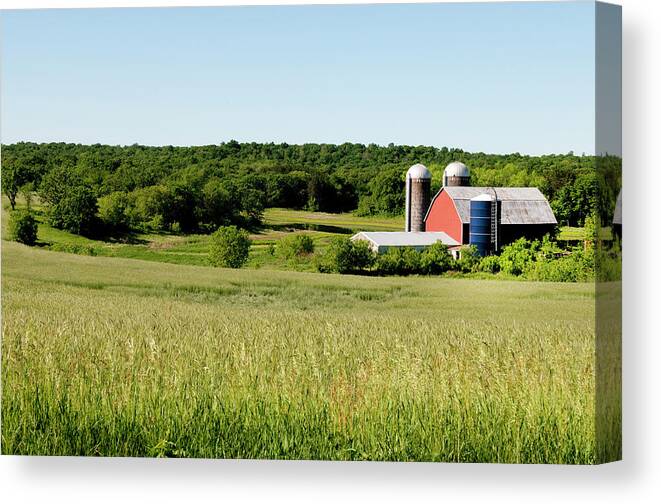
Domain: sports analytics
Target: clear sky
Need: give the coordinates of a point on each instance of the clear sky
(482, 77)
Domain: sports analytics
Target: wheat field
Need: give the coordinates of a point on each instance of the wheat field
(120, 357)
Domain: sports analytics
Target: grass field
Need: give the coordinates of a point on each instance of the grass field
(193, 249)
(119, 357)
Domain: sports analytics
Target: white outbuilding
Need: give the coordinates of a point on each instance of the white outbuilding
(381, 241)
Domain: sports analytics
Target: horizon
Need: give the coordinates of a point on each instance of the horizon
(222, 142)
(321, 74)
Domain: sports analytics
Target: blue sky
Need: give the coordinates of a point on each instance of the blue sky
(482, 77)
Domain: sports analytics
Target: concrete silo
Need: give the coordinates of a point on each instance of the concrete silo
(456, 174)
(418, 197)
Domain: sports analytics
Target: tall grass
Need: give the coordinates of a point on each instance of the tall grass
(116, 357)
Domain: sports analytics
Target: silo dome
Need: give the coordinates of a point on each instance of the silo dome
(456, 174)
(456, 169)
(418, 171)
(418, 197)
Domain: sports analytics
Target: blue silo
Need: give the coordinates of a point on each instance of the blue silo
(480, 223)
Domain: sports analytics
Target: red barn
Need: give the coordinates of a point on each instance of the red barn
(522, 212)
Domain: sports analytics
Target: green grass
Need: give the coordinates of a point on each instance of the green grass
(193, 249)
(118, 357)
(569, 233)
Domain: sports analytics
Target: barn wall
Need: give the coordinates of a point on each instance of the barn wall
(443, 217)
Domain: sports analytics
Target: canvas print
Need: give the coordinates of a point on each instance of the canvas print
(327, 232)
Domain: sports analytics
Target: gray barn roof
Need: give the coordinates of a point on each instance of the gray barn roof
(404, 239)
(519, 205)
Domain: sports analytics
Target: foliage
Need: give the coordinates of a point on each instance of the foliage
(325, 177)
(295, 245)
(489, 264)
(16, 173)
(517, 256)
(399, 261)
(114, 210)
(149, 208)
(344, 256)
(575, 267)
(71, 201)
(385, 195)
(436, 259)
(23, 227)
(469, 259)
(229, 247)
(75, 248)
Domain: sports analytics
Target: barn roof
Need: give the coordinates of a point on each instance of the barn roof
(519, 205)
(405, 239)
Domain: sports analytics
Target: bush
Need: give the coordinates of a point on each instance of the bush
(345, 256)
(436, 259)
(399, 261)
(296, 245)
(230, 247)
(74, 248)
(518, 256)
(575, 267)
(469, 259)
(362, 255)
(489, 264)
(23, 227)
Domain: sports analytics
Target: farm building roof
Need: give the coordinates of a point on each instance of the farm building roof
(519, 205)
(405, 239)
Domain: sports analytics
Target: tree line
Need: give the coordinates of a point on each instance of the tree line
(200, 188)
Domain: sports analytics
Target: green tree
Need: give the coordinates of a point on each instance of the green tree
(230, 247)
(114, 210)
(71, 202)
(345, 256)
(14, 175)
(149, 207)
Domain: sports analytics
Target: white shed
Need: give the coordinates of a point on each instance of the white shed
(381, 241)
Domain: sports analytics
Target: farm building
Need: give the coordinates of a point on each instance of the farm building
(380, 242)
(519, 211)
(459, 214)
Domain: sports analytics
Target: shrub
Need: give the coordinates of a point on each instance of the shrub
(469, 259)
(74, 248)
(489, 264)
(399, 261)
(229, 247)
(575, 267)
(114, 209)
(344, 256)
(362, 255)
(518, 256)
(296, 245)
(23, 227)
(436, 259)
